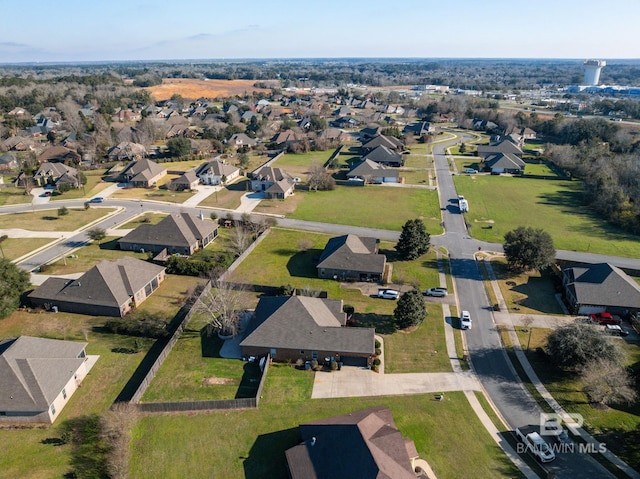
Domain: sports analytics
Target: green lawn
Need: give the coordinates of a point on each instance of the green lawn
(416, 160)
(527, 293)
(417, 177)
(463, 163)
(541, 169)
(152, 194)
(93, 186)
(617, 426)
(371, 206)
(30, 453)
(13, 196)
(251, 443)
(50, 221)
(194, 371)
(88, 256)
(303, 159)
(147, 218)
(229, 196)
(499, 203)
(14, 248)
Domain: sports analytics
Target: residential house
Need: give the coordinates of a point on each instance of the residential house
(240, 140)
(217, 172)
(17, 143)
(111, 288)
(390, 142)
(383, 155)
(127, 151)
(352, 258)
(126, 115)
(288, 137)
(504, 163)
(187, 181)
(59, 154)
(370, 132)
(180, 233)
(38, 376)
(274, 182)
(18, 112)
(364, 444)
(419, 128)
(372, 172)
(504, 146)
(8, 162)
(142, 173)
(593, 288)
(57, 174)
(301, 327)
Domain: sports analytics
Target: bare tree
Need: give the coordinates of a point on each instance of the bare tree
(606, 382)
(240, 239)
(319, 178)
(305, 244)
(223, 306)
(116, 429)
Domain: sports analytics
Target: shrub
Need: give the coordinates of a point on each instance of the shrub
(377, 344)
(63, 211)
(314, 364)
(286, 290)
(348, 309)
(378, 351)
(377, 362)
(334, 366)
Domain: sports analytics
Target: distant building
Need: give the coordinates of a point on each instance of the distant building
(592, 69)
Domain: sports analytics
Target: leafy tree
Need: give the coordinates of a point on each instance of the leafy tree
(243, 160)
(179, 147)
(317, 123)
(97, 234)
(410, 310)
(414, 240)
(63, 211)
(13, 281)
(575, 345)
(606, 382)
(463, 148)
(528, 248)
(2, 239)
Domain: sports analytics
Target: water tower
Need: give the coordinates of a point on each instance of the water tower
(592, 70)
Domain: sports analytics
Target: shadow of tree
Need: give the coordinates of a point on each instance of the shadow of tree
(266, 456)
(210, 343)
(110, 245)
(383, 323)
(303, 265)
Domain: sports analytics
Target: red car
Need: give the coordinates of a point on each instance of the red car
(604, 318)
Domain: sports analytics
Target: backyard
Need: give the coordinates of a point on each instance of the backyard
(498, 204)
(34, 452)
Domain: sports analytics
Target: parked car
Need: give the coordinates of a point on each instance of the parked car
(471, 171)
(465, 320)
(605, 318)
(388, 294)
(615, 330)
(438, 292)
(97, 199)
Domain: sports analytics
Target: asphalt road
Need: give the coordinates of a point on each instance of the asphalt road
(489, 359)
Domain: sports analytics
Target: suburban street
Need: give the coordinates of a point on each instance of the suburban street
(489, 360)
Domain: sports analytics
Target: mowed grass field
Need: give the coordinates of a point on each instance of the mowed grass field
(251, 444)
(33, 453)
(14, 248)
(48, 220)
(370, 206)
(504, 203)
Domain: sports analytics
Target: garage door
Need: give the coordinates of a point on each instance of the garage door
(354, 361)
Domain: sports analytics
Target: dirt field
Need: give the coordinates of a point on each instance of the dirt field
(192, 89)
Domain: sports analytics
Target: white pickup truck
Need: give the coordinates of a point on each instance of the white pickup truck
(534, 443)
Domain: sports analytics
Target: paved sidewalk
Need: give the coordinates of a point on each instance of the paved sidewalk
(542, 390)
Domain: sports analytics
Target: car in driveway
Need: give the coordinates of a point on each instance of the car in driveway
(471, 171)
(436, 292)
(465, 320)
(615, 330)
(605, 318)
(388, 294)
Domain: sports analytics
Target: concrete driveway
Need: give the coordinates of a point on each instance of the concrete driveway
(354, 382)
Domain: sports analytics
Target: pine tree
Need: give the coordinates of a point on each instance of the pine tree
(414, 240)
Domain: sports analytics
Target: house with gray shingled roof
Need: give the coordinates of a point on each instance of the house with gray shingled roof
(38, 376)
(593, 288)
(385, 156)
(504, 163)
(217, 172)
(111, 288)
(301, 327)
(186, 181)
(274, 182)
(55, 174)
(372, 172)
(142, 173)
(180, 233)
(352, 258)
(362, 444)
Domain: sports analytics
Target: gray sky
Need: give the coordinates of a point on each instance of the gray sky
(74, 30)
